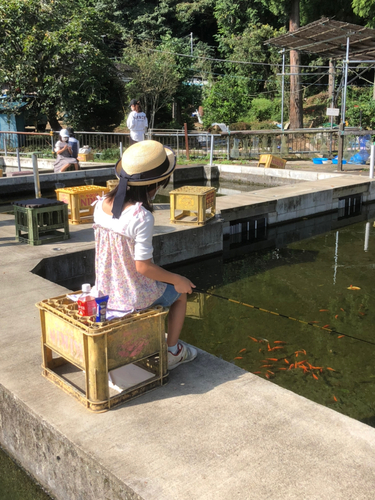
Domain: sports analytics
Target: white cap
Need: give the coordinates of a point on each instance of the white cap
(64, 132)
(86, 288)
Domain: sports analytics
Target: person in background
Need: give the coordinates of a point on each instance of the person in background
(123, 226)
(137, 122)
(65, 160)
(74, 144)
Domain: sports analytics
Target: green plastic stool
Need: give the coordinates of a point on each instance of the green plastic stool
(41, 221)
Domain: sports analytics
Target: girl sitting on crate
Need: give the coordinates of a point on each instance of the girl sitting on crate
(65, 160)
(123, 225)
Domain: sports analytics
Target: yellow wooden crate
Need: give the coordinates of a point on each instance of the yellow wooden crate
(79, 200)
(193, 204)
(270, 161)
(70, 341)
(85, 157)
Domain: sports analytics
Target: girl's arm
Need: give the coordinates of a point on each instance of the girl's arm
(150, 270)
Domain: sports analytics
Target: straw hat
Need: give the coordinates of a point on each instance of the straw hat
(142, 164)
(145, 163)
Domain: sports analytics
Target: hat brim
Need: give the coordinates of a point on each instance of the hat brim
(172, 165)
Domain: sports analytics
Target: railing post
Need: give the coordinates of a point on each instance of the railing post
(18, 159)
(211, 150)
(178, 144)
(228, 147)
(36, 176)
(372, 160)
(52, 146)
(186, 142)
(5, 145)
(120, 149)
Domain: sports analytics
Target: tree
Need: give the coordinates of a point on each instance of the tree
(55, 54)
(155, 78)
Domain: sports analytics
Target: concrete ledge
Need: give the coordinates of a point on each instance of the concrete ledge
(26, 184)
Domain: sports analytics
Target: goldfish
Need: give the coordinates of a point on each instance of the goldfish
(325, 326)
(330, 369)
(267, 375)
(276, 347)
(279, 342)
(341, 309)
(272, 359)
(286, 361)
(242, 350)
(336, 316)
(252, 338)
(238, 357)
(315, 377)
(282, 368)
(352, 287)
(334, 398)
(324, 310)
(255, 373)
(269, 371)
(340, 336)
(291, 366)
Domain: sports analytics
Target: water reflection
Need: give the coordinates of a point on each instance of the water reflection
(304, 311)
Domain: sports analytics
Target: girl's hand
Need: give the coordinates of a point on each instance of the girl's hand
(183, 285)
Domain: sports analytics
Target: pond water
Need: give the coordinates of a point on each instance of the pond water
(307, 283)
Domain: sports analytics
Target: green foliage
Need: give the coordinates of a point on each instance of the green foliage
(263, 109)
(55, 53)
(110, 154)
(360, 108)
(365, 9)
(224, 100)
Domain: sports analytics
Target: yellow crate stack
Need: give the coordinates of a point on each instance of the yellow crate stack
(79, 200)
(137, 339)
(196, 204)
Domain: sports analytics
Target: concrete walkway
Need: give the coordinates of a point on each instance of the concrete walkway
(215, 432)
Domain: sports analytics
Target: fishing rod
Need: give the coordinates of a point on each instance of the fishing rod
(282, 316)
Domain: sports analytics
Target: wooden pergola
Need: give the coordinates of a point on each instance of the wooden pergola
(335, 40)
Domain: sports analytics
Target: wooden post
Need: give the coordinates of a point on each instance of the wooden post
(186, 142)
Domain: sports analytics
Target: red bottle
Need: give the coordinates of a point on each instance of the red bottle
(86, 302)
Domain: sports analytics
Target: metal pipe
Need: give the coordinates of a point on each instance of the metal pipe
(36, 176)
(5, 145)
(211, 150)
(18, 159)
(343, 104)
(121, 152)
(367, 236)
(372, 160)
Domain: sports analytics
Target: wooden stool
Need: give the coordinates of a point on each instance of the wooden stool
(40, 219)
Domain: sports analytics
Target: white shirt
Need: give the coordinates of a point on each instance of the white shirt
(137, 124)
(135, 223)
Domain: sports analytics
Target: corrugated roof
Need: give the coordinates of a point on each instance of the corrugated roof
(327, 38)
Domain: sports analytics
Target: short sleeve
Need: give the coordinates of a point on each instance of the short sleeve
(143, 231)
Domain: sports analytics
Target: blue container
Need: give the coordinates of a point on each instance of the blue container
(335, 161)
(317, 161)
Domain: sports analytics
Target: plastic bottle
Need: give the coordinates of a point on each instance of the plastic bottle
(86, 302)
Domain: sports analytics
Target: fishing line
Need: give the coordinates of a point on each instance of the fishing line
(283, 316)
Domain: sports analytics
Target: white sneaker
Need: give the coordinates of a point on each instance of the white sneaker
(185, 353)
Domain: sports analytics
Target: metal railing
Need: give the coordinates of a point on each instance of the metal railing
(238, 145)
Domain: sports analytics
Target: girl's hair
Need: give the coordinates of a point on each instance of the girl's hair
(140, 194)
